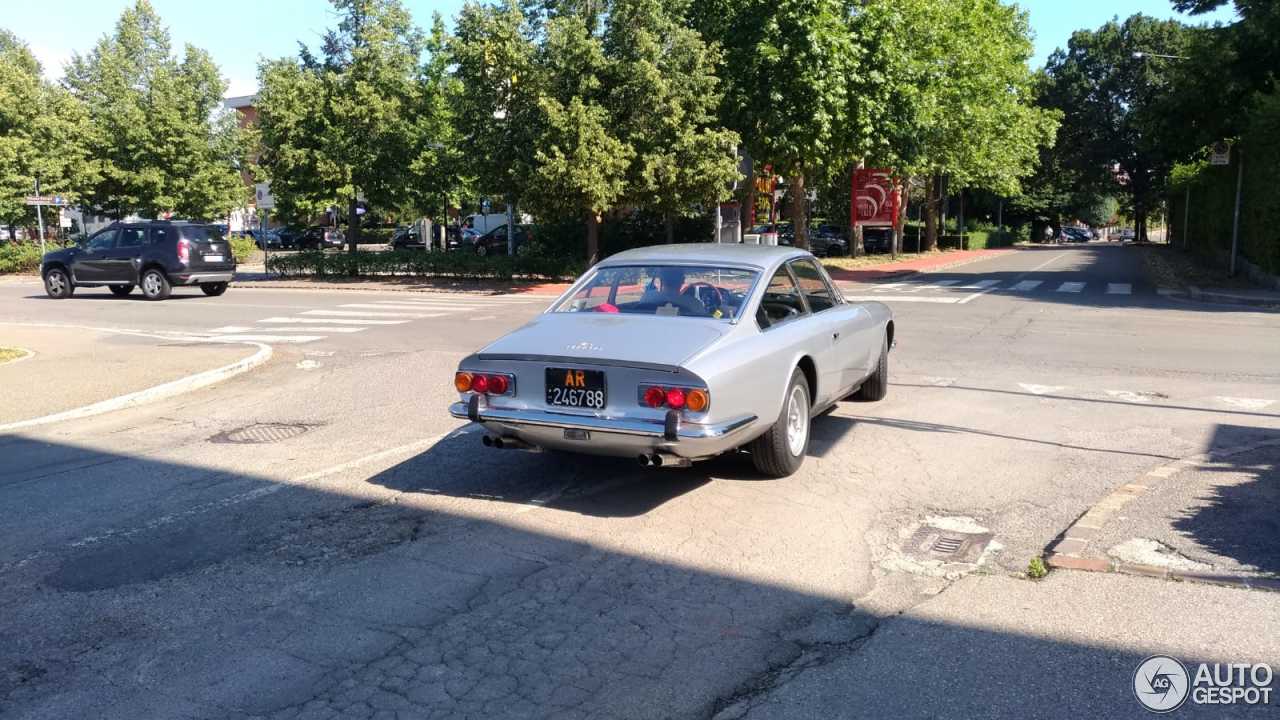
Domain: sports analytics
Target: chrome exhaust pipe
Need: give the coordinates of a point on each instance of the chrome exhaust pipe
(668, 460)
(509, 443)
(644, 460)
(488, 441)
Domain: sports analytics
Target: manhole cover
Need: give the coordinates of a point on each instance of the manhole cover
(261, 433)
(931, 543)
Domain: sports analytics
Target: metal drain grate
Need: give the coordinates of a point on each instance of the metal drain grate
(261, 433)
(946, 545)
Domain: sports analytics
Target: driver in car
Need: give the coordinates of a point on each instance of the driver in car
(669, 282)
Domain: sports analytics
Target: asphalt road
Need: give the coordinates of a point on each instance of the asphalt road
(380, 560)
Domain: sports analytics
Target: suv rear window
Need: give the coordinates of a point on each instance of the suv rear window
(202, 233)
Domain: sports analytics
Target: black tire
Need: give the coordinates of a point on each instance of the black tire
(876, 387)
(213, 289)
(481, 250)
(120, 290)
(772, 452)
(57, 284)
(155, 286)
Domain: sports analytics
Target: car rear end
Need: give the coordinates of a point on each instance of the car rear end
(203, 255)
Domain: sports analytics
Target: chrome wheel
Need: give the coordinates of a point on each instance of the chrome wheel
(56, 282)
(797, 420)
(151, 284)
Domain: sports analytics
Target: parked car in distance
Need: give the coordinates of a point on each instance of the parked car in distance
(877, 239)
(1126, 234)
(153, 255)
(267, 240)
(677, 353)
(315, 237)
(406, 238)
(494, 242)
(1076, 234)
(827, 240)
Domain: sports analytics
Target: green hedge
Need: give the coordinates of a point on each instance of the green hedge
(19, 257)
(416, 263)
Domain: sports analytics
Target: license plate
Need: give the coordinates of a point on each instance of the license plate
(213, 258)
(567, 387)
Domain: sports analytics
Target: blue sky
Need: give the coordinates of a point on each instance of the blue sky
(239, 32)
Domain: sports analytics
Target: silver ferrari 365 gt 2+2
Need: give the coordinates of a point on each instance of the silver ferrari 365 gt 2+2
(677, 353)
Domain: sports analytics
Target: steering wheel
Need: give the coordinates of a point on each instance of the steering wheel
(692, 288)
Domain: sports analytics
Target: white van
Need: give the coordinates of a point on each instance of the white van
(484, 223)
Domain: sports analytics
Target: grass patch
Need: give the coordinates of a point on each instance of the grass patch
(854, 263)
(1036, 568)
(7, 354)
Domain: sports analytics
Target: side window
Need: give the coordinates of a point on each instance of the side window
(131, 237)
(159, 235)
(104, 240)
(781, 301)
(814, 286)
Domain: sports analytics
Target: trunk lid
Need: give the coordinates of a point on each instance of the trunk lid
(612, 339)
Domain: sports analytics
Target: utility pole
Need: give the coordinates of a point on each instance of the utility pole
(1186, 220)
(40, 221)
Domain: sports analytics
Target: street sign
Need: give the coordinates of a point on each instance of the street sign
(263, 197)
(874, 203)
(1221, 153)
(56, 200)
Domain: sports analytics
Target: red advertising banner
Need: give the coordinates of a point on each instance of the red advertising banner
(874, 199)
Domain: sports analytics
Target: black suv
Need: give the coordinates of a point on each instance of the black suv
(155, 255)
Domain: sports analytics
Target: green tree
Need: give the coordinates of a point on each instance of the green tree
(42, 135)
(440, 165)
(663, 93)
(1115, 128)
(341, 127)
(158, 144)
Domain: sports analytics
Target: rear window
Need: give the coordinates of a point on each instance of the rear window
(664, 290)
(202, 233)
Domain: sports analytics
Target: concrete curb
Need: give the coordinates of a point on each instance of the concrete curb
(1195, 294)
(1067, 551)
(151, 394)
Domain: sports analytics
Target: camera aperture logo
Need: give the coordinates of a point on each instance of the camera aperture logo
(1162, 684)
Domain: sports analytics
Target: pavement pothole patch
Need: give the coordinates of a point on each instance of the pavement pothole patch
(262, 433)
(1145, 551)
(946, 546)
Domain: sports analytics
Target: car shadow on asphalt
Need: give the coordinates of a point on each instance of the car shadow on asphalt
(133, 296)
(227, 589)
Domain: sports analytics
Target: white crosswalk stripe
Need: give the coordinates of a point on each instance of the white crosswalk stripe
(979, 285)
(1071, 287)
(365, 313)
(1119, 288)
(327, 321)
(407, 306)
(291, 339)
(942, 283)
(1028, 285)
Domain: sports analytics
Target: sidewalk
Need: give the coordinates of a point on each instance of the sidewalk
(936, 261)
(72, 368)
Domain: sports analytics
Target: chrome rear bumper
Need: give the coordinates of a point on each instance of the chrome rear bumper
(622, 437)
(196, 278)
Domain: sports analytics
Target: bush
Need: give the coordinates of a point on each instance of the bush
(243, 247)
(416, 263)
(18, 257)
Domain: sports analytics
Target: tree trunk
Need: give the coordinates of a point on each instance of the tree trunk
(799, 211)
(671, 227)
(353, 233)
(749, 207)
(857, 246)
(593, 238)
(904, 187)
(931, 206)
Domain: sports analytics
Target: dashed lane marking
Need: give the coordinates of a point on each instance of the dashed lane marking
(1028, 285)
(353, 313)
(335, 321)
(1071, 287)
(1119, 288)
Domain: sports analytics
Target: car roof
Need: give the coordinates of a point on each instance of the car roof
(762, 256)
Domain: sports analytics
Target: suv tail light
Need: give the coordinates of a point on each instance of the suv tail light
(484, 383)
(184, 251)
(675, 398)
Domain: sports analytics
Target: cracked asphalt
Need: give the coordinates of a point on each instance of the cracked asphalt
(382, 563)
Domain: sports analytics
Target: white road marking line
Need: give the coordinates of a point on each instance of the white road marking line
(476, 299)
(1027, 285)
(307, 365)
(980, 285)
(335, 321)
(311, 329)
(486, 317)
(902, 298)
(1119, 288)
(1041, 389)
(943, 283)
(406, 306)
(939, 381)
(1128, 396)
(1245, 403)
(231, 329)
(1048, 262)
(295, 339)
(363, 314)
(1071, 287)
(889, 286)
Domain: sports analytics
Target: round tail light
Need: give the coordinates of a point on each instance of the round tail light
(498, 384)
(655, 397)
(480, 384)
(462, 381)
(697, 400)
(675, 398)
